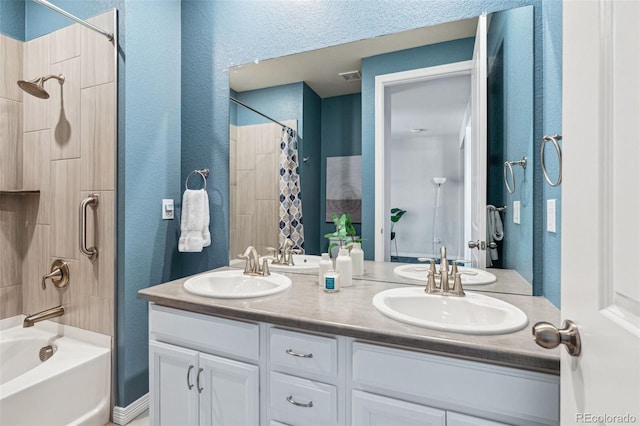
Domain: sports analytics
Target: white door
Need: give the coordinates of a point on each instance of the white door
(601, 210)
(229, 392)
(456, 419)
(172, 382)
(477, 149)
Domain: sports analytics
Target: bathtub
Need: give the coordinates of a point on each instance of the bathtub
(72, 387)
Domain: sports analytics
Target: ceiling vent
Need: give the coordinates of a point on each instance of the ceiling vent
(351, 75)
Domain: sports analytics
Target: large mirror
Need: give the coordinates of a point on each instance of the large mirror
(328, 98)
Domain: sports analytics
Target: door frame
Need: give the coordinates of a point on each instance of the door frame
(382, 234)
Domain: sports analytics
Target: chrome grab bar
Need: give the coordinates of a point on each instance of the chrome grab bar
(91, 200)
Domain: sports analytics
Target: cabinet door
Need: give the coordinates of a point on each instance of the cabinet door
(456, 419)
(172, 377)
(375, 410)
(229, 392)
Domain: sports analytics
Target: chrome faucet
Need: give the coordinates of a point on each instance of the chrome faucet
(252, 265)
(30, 320)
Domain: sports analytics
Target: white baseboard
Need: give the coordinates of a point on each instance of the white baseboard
(122, 416)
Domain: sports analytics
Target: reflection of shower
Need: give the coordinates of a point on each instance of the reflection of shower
(35, 87)
(439, 181)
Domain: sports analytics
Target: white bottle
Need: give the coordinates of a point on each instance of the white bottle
(325, 265)
(345, 267)
(357, 258)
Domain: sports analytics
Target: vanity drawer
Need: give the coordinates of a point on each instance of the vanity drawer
(300, 402)
(303, 353)
(495, 392)
(205, 333)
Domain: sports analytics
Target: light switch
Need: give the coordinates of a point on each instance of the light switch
(167, 208)
(516, 212)
(551, 215)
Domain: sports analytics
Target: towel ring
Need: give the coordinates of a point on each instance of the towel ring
(204, 173)
(554, 140)
(508, 165)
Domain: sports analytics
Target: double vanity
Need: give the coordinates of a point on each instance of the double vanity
(300, 356)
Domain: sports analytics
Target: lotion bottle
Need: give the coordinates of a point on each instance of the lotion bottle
(344, 266)
(357, 258)
(325, 265)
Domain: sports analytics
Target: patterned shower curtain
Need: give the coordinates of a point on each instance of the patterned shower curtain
(290, 194)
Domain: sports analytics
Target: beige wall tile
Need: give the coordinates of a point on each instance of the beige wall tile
(98, 53)
(233, 208)
(65, 196)
(36, 64)
(11, 138)
(267, 179)
(36, 172)
(64, 110)
(97, 276)
(35, 264)
(245, 234)
(246, 194)
(65, 43)
(90, 313)
(246, 148)
(99, 138)
(267, 223)
(233, 132)
(10, 249)
(10, 301)
(264, 138)
(10, 68)
(233, 161)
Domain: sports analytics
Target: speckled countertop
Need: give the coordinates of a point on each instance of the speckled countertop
(350, 313)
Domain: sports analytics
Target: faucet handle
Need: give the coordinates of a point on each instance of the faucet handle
(431, 282)
(432, 262)
(59, 274)
(247, 263)
(272, 249)
(265, 265)
(457, 289)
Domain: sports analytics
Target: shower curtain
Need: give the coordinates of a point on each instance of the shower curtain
(290, 195)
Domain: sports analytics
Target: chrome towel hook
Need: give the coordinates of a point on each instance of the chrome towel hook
(508, 165)
(554, 140)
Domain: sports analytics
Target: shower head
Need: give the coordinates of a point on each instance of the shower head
(35, 87)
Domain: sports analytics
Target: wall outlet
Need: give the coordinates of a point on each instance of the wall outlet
(167, 209)
(551, 216)
(516, 212)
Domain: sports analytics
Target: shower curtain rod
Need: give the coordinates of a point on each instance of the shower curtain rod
(257, 112)
(62, 12)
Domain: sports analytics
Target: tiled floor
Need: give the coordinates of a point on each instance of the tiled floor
(141, 420)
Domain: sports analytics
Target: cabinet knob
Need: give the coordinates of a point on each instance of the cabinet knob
(548, 336)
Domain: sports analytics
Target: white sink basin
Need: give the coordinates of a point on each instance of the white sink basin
(471, 314)
(302, 262)
(418, 273)
(236, 285)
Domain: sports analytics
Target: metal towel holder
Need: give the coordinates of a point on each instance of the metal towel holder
(508, 165)
(204, 173)
(554, 140)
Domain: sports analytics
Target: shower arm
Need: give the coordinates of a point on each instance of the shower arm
(60, 78)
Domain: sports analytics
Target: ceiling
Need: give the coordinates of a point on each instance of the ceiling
(319, 69)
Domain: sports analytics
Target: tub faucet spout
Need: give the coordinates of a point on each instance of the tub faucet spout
(30, 320)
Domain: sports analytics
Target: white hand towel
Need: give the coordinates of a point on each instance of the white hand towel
(495, 232)
(194, 224)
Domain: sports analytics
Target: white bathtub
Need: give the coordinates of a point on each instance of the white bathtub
(70, 388)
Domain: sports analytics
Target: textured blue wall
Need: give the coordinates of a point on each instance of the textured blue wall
(148, 161)
(280, 103)
(310, 170)
(419, 57)
(12, 18)
(552, 45)
(341, 135)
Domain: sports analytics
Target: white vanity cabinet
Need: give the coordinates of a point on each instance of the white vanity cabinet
(193, 378)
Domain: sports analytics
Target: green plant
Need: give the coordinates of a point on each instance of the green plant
(344, 231)
(396, 215)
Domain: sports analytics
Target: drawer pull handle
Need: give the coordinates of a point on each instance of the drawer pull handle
(198, 381)
(298, 354)
(290, 400)
(189, 385)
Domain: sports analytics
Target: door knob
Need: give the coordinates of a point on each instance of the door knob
(480, 245)
(548, 336)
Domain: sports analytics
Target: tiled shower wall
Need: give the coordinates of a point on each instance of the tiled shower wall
(254, 158)
(69, 152)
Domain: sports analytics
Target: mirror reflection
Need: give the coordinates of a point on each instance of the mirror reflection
(327, 99)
